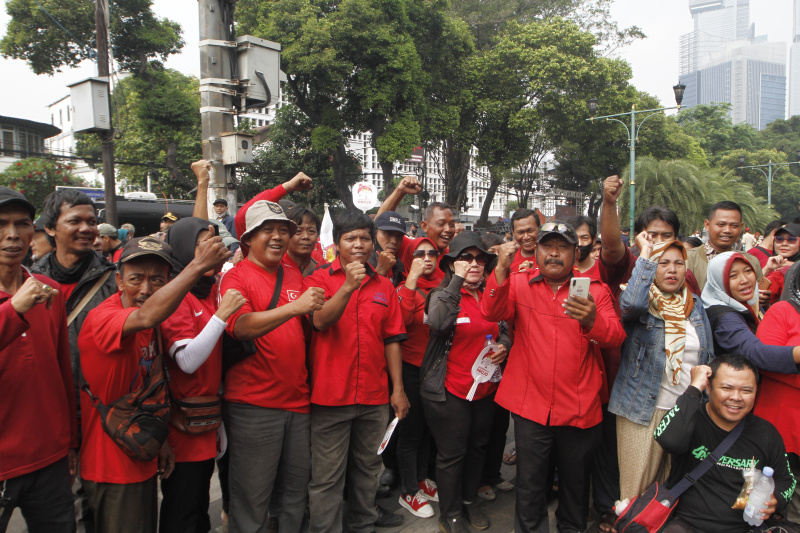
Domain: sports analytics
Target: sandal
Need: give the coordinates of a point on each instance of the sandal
(605, 523)
(487, 493)
(510, 457)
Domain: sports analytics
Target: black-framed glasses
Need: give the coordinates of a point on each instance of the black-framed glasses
(422, 253)
(791, 239)
(469, 258)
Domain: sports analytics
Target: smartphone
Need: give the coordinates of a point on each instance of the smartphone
(579, 287)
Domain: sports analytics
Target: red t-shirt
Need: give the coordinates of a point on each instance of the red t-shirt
(778, 399)
(276, 376)
(468, 341)
(113, 366)
(177, 331)
(519, 259)
(412, 305)
(348, 361)
(38, 400)
(67, 288)
(761, 253)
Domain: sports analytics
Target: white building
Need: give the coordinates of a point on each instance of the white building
(794, 63)
(21, 138)
(64, 144)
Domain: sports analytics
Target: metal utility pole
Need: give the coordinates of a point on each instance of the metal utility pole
(217, 90)
(106, 139)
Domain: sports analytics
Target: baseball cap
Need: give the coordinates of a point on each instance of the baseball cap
(559, 228)
(107, 230)
(169, 216)
(264, 211)
(222, 201)
(227, 238)
(390, 221)
(146, 246)
(8, 196)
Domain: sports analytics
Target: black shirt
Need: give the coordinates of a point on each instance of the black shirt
(689, 434)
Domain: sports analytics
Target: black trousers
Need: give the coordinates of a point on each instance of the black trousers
(413, 437)
(572, 449)
(497, 445)
(45, 498)
(605, 466)
(461, 430)
(184, 507)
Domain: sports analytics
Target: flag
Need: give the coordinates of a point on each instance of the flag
(326, 236)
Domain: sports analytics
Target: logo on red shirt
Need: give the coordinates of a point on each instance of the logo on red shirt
(292, 295)
(380, 298)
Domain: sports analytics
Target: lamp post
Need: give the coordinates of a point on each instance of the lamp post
(633, 133)
(769, 166)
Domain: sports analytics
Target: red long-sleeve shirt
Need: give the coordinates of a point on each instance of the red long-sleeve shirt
(40, 423)
(554, 375)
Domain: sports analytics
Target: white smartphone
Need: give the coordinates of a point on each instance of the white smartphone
(579, 287)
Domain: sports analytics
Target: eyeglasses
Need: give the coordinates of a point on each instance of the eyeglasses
(560, 228)
(422, 253)
(791, 239)
(469, 258)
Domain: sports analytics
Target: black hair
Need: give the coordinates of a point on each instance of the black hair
(657, 212)
(491, 239)
(52, 205)
(737, 362)
(519, 214)
(725, 205)
(579, 220)
(348, 221)
(772, 226)
(694, 241)
(297, 213)
(434, 206)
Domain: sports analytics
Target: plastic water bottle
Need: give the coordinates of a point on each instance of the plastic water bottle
(763, 487)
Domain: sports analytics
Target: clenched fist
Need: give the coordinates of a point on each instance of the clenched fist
(612, 188)
(32, 292)
(300, 182)
(355, 272)
(410, 185)
(386, 261)
(202, 170)
(311, 300)
(231, 302)
(211, 252)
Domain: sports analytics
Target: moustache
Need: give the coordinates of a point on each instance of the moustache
(558, 262)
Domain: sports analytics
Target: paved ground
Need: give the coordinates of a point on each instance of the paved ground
(500, 511)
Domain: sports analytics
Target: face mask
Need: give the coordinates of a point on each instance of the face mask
(585, 250)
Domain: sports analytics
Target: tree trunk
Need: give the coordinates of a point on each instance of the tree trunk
(456, 172)
(388, 177)
(497, 178)
(594, 205)
(340, 177)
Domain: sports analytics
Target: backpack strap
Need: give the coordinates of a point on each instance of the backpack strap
(89, 295)
(711, 459)
(276, 293)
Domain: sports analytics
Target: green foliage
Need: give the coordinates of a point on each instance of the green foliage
(711, 125)
(36, 178)
(690, 192)
(288, 150)
(159, 121)
(138, 37)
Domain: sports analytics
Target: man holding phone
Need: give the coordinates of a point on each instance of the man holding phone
(553, 379)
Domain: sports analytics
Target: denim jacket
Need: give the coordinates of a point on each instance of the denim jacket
(643, 358)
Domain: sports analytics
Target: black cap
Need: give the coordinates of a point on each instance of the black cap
(462, 241)
(561, 229)
(222, 201)
(146, 246)
(8, 196)
(791, 228)
(390, 221)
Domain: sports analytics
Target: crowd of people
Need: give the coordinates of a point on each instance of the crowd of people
(130, 365)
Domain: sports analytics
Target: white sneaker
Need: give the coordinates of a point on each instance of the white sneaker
(416, 505)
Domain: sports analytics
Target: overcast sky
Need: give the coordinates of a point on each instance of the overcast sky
(654, 60)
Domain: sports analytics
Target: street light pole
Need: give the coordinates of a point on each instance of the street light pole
(633, 134)
(769, 174)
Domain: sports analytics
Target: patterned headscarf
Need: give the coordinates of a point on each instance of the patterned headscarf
(674, 309)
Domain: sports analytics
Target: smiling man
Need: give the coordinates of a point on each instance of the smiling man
(724, 226)
(693, 428)
(524, 229)
(119, 345)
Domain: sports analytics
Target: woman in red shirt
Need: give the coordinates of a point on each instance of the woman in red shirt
(460, 427)
(420, 259)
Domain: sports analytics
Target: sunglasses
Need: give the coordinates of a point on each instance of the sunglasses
(422, 253)
(469, 258)
(791, 239)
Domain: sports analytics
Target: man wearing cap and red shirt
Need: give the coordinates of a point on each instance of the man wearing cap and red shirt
(390, 230)
(355, 344)
(553, 379)
(267, 397)
(118, 344)
(40, 428)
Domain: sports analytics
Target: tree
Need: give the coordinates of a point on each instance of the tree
(711, 125)
(289, 150)
(36, 178)
(159, 121)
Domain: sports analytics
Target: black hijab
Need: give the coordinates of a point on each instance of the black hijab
(182, 237)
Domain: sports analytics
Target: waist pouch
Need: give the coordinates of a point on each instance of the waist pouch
(199, 414)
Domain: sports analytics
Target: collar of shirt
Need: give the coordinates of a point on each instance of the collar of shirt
(711, 253)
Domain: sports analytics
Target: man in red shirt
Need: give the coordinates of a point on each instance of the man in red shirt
(303, 244)
(356, 343)
(267, 397)
(524, 228)
(119, 342)
(40, 427)
(553, 378)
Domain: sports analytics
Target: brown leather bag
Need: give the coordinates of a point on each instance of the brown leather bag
(196, 415)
